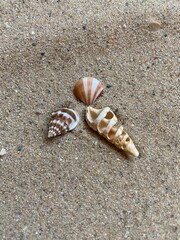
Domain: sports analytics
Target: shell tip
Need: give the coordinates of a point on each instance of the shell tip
(50, 135)
(134, 152)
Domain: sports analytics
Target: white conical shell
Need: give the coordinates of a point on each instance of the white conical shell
(62, 121)
(103, 121)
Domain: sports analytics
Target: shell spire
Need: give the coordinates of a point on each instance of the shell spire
(103, 121)
(88, 89)
(62, 121)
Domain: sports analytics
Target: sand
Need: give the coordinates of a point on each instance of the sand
(79, 186)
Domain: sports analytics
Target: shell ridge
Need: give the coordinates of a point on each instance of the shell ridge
(111, 123)
(93, 90)
(102, 115)
(73, 120)
(98, 93)
(74, 123)
(118, 132)
(124, 142)
(70, 112)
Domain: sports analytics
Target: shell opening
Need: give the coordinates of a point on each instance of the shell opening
(102, 125)
(92, 115)
(111, 133)
(109, 115)
(127, 140)
(117, 142)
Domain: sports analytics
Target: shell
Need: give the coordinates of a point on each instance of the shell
(88, 89)
(103, 121)
(62, 121)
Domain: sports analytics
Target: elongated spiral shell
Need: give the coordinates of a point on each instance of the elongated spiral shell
(88, 89)
(62, 121)
(103, 121)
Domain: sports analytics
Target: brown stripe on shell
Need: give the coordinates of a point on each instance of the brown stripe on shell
(63, 130)
(56, 116)
(66, 124)
(79, 91)
(66, 121)
(97, 89)
(89, 89)
(69, 112)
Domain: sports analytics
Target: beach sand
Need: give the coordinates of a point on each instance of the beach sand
(79, 186)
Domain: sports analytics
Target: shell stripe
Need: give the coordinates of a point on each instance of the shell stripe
(80, 94)
(95, 84)
(70, 113)
(73, 117)
(87, 86)
(98, 91)
(89, 89)
(101, 115)
(119, 132)
(109, 126)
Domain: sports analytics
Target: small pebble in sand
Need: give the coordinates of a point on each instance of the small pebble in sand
(2, 152)
(19, 148)
(32, 32)
(37, 112)
(108, 85)
(154, 26)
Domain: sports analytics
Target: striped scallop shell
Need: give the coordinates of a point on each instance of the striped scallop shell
(88, 89)
(103, 121)
(62, 121)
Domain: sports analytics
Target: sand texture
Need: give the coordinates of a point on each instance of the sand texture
(79, 186)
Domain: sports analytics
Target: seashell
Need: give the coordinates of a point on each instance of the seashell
(88, 89)
(103, 121)
(62, 121)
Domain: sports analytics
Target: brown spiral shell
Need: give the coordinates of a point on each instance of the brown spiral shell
(62, 121)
